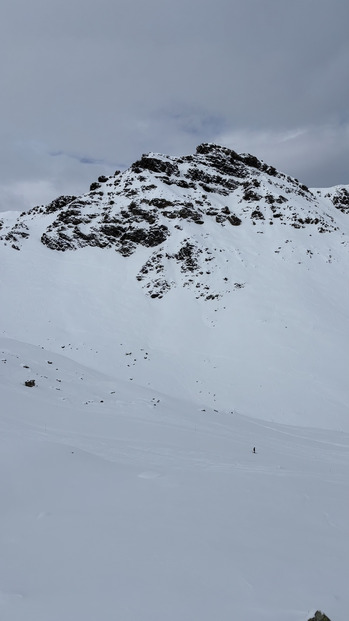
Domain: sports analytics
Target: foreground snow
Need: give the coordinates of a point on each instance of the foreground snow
(144, 507)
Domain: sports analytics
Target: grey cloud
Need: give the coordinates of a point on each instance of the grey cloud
(108, 81)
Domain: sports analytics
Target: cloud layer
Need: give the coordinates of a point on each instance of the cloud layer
(87, 87)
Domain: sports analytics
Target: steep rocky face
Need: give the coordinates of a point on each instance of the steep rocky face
(169, 206)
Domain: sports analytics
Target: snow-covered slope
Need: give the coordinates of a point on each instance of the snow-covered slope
(212, 275)
(172, 318)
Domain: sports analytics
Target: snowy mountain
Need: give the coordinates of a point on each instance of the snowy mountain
(228, 273)
(165, 322)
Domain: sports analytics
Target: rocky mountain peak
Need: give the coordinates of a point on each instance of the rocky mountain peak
(184, 211)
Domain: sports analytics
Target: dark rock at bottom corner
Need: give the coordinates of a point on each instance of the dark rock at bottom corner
(319, 616)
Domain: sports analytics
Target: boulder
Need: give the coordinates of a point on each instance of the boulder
(319, 616)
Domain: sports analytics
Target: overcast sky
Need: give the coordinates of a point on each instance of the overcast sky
(87, 87)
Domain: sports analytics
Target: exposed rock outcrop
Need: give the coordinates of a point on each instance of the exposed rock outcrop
(167, 205)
